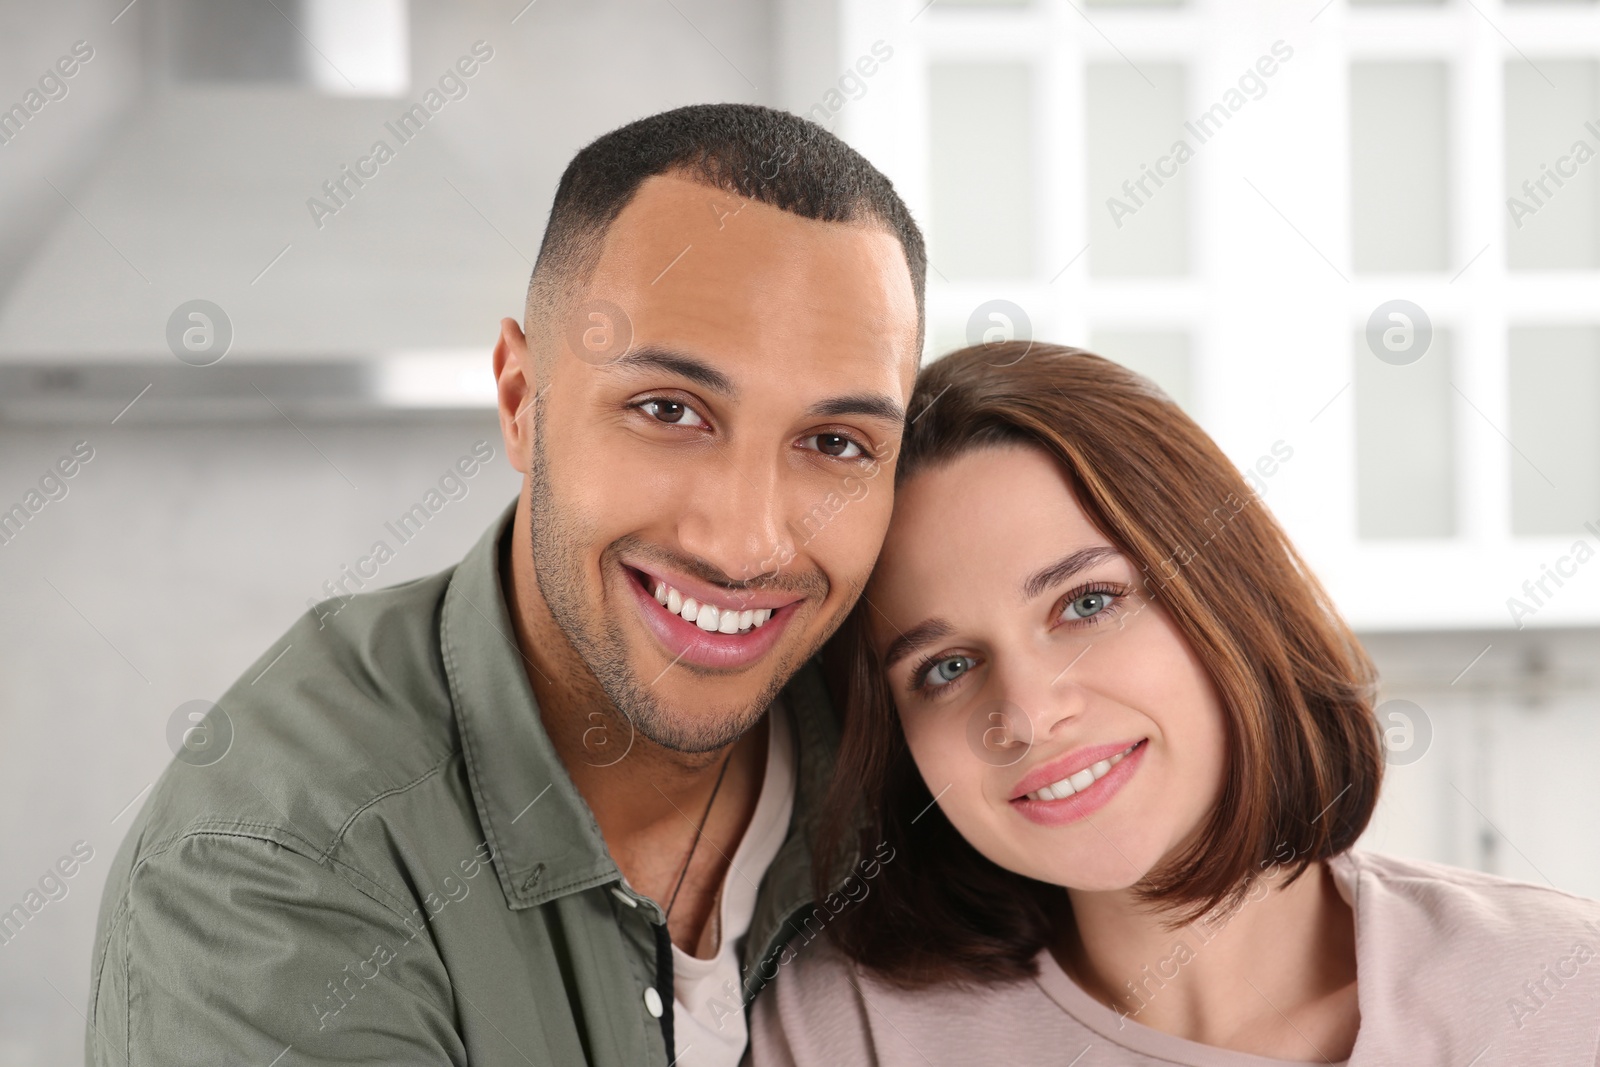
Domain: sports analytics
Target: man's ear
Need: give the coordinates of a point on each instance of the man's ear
(517, 388)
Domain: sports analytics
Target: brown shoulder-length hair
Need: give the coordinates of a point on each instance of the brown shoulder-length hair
(1296, 687)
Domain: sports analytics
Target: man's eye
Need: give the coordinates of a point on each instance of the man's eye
(672, 412)
(836, 445)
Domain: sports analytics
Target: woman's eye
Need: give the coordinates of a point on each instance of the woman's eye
(836, 445)
(946, 671)
(1089, 604)
(672, 412)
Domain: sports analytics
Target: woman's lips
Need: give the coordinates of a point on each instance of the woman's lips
(1084, 802)
(687, 642)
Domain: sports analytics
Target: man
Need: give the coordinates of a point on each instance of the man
(533, 810)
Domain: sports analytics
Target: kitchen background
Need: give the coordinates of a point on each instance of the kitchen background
(1358, 241)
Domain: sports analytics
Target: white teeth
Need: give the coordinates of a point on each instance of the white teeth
(708, 617)
(1082, 780)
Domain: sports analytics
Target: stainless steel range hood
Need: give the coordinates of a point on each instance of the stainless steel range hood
(389, 302)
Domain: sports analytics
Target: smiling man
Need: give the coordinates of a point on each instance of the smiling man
(553, 805)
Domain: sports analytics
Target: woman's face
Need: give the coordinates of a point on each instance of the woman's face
(1053, 708)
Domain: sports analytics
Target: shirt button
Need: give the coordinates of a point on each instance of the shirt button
(652, 1002)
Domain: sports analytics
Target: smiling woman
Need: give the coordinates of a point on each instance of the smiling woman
(1124, 797)
(1097, 450)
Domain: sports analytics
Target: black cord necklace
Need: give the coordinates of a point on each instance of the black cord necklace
(698, 834)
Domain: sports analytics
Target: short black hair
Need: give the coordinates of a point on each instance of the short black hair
(760, 153)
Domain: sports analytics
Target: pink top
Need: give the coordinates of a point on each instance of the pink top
(1454, 968)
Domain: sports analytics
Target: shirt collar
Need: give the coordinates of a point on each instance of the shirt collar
(545, 839)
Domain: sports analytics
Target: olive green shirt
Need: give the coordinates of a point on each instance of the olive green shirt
(390, 864)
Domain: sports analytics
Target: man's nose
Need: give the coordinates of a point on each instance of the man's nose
(734, 517)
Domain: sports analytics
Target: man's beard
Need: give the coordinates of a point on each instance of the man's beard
(558, 552)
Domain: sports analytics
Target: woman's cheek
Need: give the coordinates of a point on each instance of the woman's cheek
(933, 750)
(956, 776)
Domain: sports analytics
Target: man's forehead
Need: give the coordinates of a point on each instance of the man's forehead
(675, 217)
(694, 266)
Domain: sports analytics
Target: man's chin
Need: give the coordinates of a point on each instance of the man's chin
(679, 724)
(654, 701)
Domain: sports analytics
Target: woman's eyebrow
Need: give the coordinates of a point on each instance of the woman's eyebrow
(1064, 568)
(914, 638)
(1036, 583)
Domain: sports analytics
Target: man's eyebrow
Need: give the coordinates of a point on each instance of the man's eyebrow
(872, 405)
(684, 366)
(1065, 568)
(913, 639)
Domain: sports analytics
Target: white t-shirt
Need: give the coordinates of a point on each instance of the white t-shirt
(708, 1009)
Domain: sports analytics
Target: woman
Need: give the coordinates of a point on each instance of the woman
(1114, 746)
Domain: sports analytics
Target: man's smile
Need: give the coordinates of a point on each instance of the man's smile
(700, 624)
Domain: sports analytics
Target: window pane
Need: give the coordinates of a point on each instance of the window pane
(1555, 426)
(981, 142)
(1138, 216)
(1405, 446)
(1552, 178)
(1398, 154)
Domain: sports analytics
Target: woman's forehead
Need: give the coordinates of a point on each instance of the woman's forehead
(972, 529)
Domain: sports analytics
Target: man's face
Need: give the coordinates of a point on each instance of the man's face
(732, 461)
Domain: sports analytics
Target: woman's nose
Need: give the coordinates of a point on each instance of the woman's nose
(1031, 704)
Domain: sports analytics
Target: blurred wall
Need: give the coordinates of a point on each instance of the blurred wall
(63, 141)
